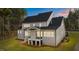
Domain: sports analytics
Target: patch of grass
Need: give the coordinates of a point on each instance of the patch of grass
(14, 45)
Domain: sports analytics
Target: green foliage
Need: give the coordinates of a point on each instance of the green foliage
(10, 20)
(72, 22)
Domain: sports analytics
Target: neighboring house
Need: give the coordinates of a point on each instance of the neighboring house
(42, 29)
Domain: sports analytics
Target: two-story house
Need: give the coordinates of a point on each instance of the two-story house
(42, 29)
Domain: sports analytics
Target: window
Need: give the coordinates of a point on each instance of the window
(26, 33)
(33, 24)
(19, 31)
(48, 34)
(39, 34)
(26, 25)
(40, 24)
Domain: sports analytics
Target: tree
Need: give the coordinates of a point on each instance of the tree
(72, 22)
(10, 19)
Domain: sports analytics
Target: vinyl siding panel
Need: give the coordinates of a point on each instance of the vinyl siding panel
(21, 34)
(26, 25)
(49, 40)
(60, 33)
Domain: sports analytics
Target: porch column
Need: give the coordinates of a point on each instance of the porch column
(28, 42)
(40, 33)
(35, 43)
(31, 42)
(39, 43)
(25, 39)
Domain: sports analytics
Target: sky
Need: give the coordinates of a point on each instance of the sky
(56, 11)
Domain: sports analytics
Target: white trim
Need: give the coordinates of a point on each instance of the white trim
(49, 19)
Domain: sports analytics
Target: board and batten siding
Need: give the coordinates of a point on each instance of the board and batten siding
(60, 33)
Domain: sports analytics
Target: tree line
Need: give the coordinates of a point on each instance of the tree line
(10, 21)
(72, 21)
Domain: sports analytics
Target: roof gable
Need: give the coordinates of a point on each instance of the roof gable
(54, 24)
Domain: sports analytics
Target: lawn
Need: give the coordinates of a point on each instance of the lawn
(15, 45)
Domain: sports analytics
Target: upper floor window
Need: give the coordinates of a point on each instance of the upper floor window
(33, 24)
(40, 25)
(26, 25)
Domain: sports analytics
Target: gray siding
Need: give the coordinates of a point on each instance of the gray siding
(20, 35)
(46, 40)
(60, 33)
(49, 40)
(40, 24)
(26, 37)
(43, 24)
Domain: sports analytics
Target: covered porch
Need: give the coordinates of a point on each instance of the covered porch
(35, 42)
(34, 36)
(37, 37)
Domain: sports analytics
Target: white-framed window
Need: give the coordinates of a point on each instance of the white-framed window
(19, 31)
(40, 24)
(39, 33)
(26, 25)
(26, 33)
(33, 24)
(48, 34)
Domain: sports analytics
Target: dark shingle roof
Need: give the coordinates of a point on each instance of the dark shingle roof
(54, 24)
(38, 18)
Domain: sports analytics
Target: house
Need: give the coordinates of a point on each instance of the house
(42, 29)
